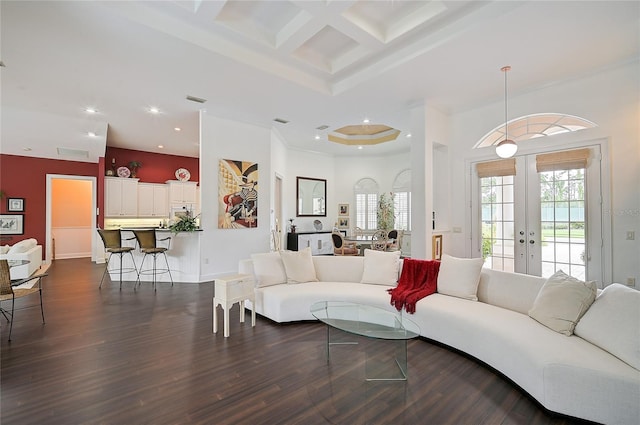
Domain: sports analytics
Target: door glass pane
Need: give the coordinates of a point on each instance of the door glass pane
(497, 216)
(562, 214)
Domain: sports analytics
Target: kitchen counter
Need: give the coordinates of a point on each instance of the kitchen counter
(183, 254)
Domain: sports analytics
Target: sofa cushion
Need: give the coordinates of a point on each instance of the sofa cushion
(614, 313)
(341, 268)
(268, 269)
(459, 277)
(4, 249)
(299, 266)
(562, 301)
(22, 246)
(380, 267)
(513, 291)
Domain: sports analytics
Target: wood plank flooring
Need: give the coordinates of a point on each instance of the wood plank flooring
(143, 357)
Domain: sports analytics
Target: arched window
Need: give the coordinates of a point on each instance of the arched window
(533, 126)
(402, 200)
(366, 192)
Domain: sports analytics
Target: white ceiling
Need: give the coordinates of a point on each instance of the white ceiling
(309, 62)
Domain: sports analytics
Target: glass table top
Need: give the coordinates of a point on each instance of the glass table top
(365, 320)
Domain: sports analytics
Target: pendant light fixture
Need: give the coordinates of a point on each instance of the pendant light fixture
(507, 147)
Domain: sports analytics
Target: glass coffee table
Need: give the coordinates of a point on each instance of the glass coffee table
(373, 323)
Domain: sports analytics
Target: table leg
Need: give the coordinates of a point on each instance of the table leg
(253, 312)
(241, 311)
(215, 316)
(226, 321)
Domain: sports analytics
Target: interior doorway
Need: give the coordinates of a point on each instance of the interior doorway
(71, 218)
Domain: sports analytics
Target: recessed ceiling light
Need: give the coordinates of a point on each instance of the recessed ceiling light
(161, 146)
(409, 135)
(91, 134)
(153, 110)
(177, 128)
(360, 147)
(90, 110)
(366, 120)
(26, 149)
(317, 137)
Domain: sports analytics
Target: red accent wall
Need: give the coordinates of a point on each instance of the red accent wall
(26, 177)
(156, 168)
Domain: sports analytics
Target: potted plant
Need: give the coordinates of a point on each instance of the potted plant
(185, 223)
(385, 214)
(133, 166)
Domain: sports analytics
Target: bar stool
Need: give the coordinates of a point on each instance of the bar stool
(148, 246)
(112, 240)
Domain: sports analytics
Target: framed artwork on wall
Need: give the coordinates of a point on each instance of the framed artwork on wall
(11, 224)
(436, 247)
(343, 222)
(15, 204)
(343, 209)
(237, 194)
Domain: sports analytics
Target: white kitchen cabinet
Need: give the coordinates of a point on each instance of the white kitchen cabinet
(121, 197)
(182, 192)
(153, 200)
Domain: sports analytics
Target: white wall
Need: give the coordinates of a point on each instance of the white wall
(221, 249)
(611, 100)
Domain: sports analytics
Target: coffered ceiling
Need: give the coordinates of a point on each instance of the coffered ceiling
(311, 63)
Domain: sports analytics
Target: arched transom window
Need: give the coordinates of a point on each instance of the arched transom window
(533, 126)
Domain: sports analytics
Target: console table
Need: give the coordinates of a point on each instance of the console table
(229, 290)
(320, 242)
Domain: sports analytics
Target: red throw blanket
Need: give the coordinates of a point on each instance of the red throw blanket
(419, 278)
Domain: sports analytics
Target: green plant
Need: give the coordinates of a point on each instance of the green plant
(385, 215)
(185, 223)
(133, 166)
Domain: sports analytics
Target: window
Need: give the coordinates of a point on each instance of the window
(366, 192)
(402, 200)
(533, 126)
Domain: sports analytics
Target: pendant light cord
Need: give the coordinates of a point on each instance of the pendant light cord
(505, 69)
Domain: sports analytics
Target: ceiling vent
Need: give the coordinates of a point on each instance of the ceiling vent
(322, 127)
(281, 121)
(196, 99)
(77, 153)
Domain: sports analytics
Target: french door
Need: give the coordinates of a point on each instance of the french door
(540, 213)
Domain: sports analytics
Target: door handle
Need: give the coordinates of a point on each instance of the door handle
(532, 242)
(521, 240)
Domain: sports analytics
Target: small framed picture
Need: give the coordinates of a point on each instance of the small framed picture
(343, 209)
(11, 224)
(436, 247)
(343, 222)
(15, 204)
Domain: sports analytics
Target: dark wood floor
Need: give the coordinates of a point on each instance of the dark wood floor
(123, 357)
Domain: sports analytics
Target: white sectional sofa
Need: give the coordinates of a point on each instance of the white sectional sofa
(27, 249)
(566, 374)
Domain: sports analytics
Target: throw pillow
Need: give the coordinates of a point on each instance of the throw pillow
(380, 267)
(22, 246)
(268, 269)
(459, 277)
(613, 323)
(299, 266)
(562, 301)
(4, 249)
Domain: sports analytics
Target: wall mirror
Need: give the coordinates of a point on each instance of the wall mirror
(311, 197)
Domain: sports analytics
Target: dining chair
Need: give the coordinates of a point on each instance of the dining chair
(10, 290)
(394, 240)
(379, 240)
(342, 247)
(112, 240)
(148, 244)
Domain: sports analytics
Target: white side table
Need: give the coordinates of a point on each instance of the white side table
(229, 290)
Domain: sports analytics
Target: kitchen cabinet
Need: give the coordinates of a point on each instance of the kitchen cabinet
(121, 197)
(182, 192)
(153, 200)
